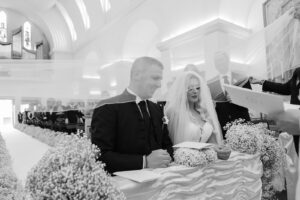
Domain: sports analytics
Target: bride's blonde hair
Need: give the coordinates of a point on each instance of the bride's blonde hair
(177, 107)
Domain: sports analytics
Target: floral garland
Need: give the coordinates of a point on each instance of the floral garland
(44, 135)
(194, 157)
(256, 138)
(10, 188)
(70, 171)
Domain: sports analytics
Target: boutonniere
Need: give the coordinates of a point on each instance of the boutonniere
(165, 120)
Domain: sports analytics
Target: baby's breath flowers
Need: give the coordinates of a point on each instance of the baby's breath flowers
(194, 157)
(256, 138)
(44, 135)
(10, 188)
(70, 171)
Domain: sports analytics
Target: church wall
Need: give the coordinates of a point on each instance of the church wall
(16, 20)
(112, 42)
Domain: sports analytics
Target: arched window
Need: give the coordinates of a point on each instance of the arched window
(84, 13)
(3, 27)
(27, 35)
(68, 20)
(105, 4)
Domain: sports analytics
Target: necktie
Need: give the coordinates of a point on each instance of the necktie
(152, 139)
(142, 105)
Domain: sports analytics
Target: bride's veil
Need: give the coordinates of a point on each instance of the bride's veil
(177, 109)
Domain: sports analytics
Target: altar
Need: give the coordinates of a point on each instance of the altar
(238, 178)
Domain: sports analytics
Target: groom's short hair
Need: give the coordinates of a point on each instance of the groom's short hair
(142, 63)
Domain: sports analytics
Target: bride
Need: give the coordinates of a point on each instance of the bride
(191, 112)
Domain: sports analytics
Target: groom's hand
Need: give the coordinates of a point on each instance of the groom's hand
(158, 158)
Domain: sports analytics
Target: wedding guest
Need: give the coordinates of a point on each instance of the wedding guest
(191, 112)
(291, 87)
(226, 110)
(128, 128)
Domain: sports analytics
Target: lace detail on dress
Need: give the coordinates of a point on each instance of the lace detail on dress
(206, 132)
(197, 133)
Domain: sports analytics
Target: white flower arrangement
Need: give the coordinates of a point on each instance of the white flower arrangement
(70, 171)
(240, 137)
(10, 187)
(256, 138)
(165, 120)
(44, 135)
(194, 157)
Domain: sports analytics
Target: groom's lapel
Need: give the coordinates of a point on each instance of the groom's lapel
(153, 111)
(126, 97)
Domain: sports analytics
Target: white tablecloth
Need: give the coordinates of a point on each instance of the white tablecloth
(238, 178)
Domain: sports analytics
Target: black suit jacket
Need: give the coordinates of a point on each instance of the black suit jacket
(118, 129)
(288, 88)
(228, 112)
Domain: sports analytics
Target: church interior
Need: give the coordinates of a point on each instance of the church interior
(59, 58)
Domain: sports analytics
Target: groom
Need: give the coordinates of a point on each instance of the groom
(128, 128)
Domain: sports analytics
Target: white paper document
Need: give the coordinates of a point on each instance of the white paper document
(143, 175)
(259, 101)
(193, 145)
(288, 106)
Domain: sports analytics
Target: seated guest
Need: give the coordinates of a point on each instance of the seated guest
(191, 112)
(128, 128)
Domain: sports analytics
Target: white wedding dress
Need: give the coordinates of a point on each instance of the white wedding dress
(194, 132)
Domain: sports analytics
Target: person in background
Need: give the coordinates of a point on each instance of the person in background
(291, 87)
(226, 110)
(20, 117)
(191, 112)
(129, 128)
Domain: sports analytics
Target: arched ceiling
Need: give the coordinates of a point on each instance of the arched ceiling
(173, 16)
(130, 28)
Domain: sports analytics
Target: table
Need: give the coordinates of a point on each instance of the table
(238, 178)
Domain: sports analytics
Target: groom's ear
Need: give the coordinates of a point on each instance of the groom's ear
(136, 76)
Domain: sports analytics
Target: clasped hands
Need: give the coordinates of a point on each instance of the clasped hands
(158, 159)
